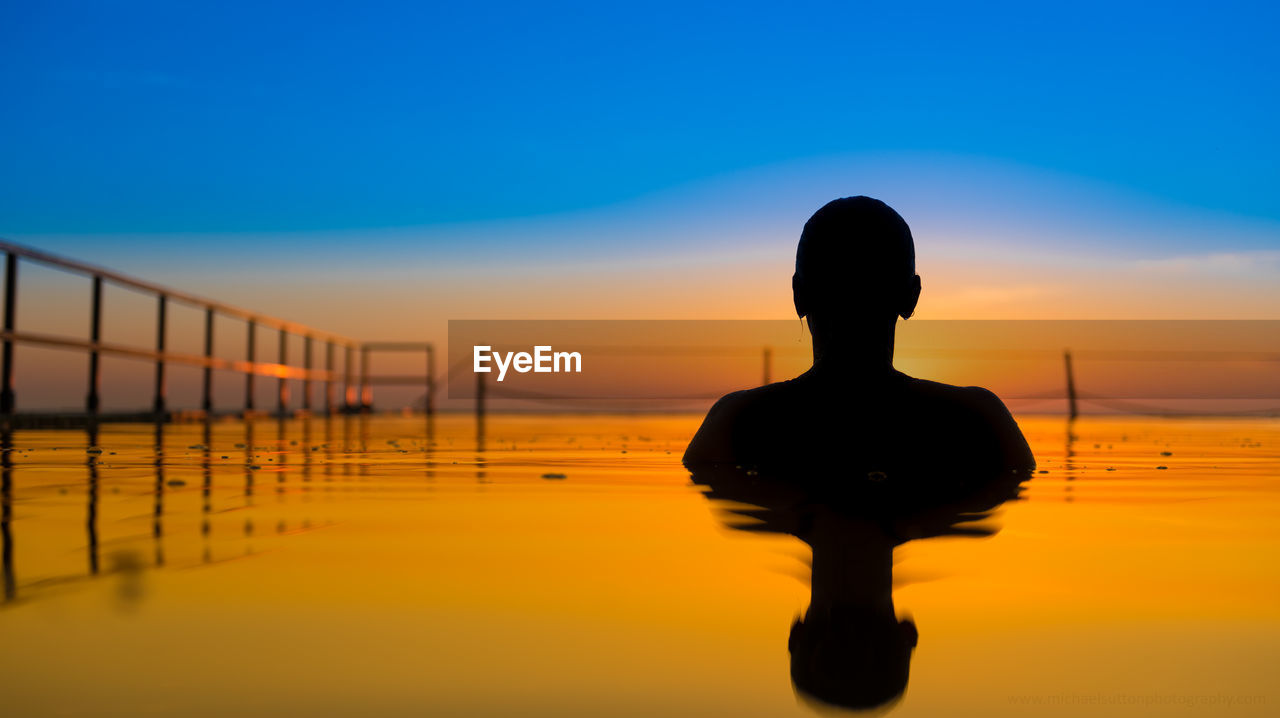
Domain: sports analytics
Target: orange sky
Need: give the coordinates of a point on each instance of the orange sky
(993, 242)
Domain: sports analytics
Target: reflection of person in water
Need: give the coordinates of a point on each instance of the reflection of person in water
(850, 648)
(855, 457)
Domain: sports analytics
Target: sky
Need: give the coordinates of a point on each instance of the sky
(376, 170)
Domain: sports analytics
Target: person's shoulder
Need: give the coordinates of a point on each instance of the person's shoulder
(714, 441)
(928, 386)
(738, 406)
(975, 397)
(737, 401)
(989, 414)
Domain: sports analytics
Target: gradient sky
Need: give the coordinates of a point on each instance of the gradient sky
(161, 117)
(378, 169)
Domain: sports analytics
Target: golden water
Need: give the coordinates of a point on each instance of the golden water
(352, 568)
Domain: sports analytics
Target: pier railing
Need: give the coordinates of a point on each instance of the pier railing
(427, 381)
(252, 366)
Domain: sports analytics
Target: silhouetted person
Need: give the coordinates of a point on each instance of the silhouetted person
(855, 457)
(855, 275)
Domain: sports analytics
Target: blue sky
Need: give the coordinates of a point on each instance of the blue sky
(376, 169)
(162, 118)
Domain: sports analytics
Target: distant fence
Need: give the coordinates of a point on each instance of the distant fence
(355, 398)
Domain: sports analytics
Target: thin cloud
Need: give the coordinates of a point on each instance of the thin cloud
(1217, 263)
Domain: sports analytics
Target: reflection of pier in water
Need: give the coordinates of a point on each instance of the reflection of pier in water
(6, 513)
(161, 466)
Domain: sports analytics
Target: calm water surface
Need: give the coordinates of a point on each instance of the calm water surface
(349, 567)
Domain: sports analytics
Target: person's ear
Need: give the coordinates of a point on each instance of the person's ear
(910, 636)
(797, 296)
(910, 298)
(793, 638)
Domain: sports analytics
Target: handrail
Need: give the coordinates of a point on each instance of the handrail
(244, 367)
(367, 381)
(184, 297)
(397, 346)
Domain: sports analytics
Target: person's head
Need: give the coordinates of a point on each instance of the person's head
(851, 658)
(855, 265)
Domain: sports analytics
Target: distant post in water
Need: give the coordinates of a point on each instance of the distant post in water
(1072, 413)
(768, 365)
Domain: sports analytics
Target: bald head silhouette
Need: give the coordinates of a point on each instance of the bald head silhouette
(855, 269)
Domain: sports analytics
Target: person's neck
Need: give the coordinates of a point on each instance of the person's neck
(864, 351)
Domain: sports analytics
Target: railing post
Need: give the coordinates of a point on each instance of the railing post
(248, 377)
(306, 378)
(328, 382)
(6, 357)
(366, 391)
(282, 388)
(349, 383)
(206, 400)
(161, 311)
(93, 400)
(480, 410)
(431, 380)
(768, 365)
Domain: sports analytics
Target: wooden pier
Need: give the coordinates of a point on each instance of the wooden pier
(250, 367)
